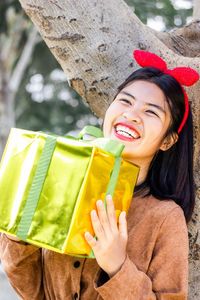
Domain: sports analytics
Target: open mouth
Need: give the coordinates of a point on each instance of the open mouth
(126, 133)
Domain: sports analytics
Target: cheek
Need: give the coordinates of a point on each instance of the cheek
(154, 126)
(108, 119)
(155, 134)
(106, 125)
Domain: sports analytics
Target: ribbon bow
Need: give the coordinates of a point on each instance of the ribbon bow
(184, 75)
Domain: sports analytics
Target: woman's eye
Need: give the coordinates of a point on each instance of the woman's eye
(125, 100)
(151, 112)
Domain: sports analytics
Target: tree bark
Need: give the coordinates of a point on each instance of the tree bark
(184, 41)
(93, 42)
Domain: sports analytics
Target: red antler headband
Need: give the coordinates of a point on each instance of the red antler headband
(184, 75)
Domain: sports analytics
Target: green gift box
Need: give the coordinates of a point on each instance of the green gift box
(49, 184)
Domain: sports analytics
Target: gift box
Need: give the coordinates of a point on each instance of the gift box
(49, 184)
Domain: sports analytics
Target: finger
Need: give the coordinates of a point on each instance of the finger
(123, 225)
(111, 213)
(90, 240)
(98, 229)
(103, 217)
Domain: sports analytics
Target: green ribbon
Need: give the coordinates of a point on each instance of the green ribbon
(36, 187)
(91, 130)
(112, 146)
(111, 187)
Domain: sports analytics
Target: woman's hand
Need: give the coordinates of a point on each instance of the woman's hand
(110, 246)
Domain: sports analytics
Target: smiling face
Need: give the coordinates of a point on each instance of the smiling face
(139, 117)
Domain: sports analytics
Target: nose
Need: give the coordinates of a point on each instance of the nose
(132, 115)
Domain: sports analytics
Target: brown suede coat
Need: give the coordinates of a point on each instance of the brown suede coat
(156, 266)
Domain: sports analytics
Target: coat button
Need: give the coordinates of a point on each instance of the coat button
(77, 264)
(75, 296)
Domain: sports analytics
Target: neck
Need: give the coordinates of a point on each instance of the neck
(144, 166)
(143, 173)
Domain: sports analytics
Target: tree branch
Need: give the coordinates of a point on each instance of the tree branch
(23, 61)
(184, 41)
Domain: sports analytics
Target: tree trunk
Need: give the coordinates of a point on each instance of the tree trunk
(93, 42)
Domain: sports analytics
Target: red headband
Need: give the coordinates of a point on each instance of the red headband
(184, 75)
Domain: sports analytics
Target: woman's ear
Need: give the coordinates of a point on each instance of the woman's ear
(169, 141)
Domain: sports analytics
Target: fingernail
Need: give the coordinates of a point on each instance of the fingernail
(93, 213)
(87, 235)
(99, 203)
(109, 197)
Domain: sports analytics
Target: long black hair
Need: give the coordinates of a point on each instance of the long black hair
(170, 175)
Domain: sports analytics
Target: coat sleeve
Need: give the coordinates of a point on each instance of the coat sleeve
(167, 275)
(22, 264)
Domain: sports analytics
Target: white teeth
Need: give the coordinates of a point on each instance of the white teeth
(123, 133)
(126, 131)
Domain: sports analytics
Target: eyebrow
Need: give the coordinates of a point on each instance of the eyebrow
(148, 103)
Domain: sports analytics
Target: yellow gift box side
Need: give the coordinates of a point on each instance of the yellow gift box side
(95, 188)
(123, 194)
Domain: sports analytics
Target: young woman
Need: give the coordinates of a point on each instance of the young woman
(143, 255)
